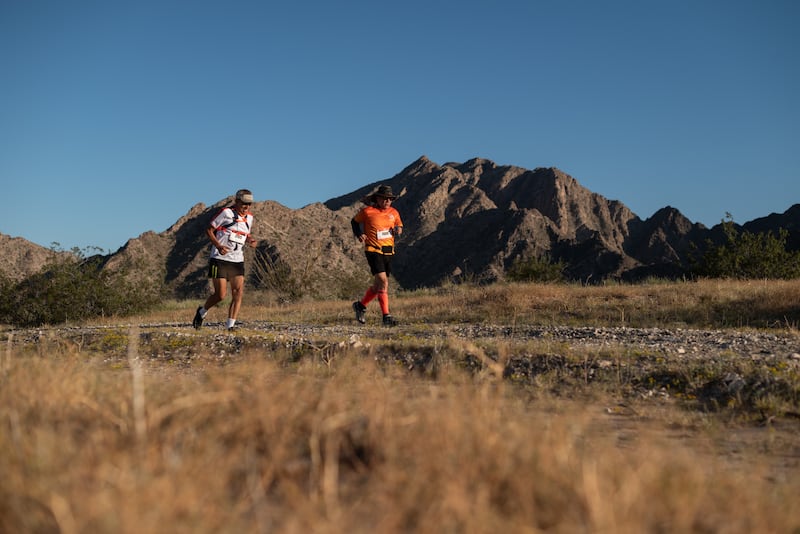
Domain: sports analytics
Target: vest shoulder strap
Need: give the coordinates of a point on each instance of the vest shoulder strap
(235, 219)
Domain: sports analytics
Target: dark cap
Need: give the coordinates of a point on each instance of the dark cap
(384, 191)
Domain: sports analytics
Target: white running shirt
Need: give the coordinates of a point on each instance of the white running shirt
(233, 237)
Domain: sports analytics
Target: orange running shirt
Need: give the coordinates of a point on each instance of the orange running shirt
(378, 226)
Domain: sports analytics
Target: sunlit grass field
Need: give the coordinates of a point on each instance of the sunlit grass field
(773, 304)
(144, 428)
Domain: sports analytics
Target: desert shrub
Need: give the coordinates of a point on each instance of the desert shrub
(73, 287)
(6, 290)
(536, 269)
(271, 273)
(745, 255)
(352, 285)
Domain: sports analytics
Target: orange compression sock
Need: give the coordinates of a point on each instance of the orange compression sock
(368, 296)
(383, 300)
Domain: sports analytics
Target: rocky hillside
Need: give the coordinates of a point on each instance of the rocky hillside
(22, 258)
(462, 220)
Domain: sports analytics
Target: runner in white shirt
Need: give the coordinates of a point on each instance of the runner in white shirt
(229, 232)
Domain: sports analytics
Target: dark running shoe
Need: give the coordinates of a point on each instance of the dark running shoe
(361, 312)
(197, 322)
(388, 320)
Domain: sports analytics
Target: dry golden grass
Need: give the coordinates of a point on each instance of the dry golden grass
(711, 303)
(703, 304)
(267, 441)
(260, 446)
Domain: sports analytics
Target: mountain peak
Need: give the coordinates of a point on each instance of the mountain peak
(420, 166)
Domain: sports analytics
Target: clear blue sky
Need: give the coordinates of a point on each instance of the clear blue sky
(117, 117)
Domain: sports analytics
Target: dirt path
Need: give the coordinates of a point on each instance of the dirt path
(681, 343)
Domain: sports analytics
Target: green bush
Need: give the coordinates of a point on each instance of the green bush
(6, 290)
(745, 255)
(536, 269)
(71, 287)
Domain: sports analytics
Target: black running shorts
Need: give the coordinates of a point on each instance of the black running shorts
(379, 263)
(225, 269)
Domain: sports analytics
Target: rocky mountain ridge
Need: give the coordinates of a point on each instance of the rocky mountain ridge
(462, 220)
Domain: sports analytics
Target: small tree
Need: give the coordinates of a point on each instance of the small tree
(746, 255)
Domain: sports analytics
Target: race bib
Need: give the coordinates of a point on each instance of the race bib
(239, 239)
(384, 234)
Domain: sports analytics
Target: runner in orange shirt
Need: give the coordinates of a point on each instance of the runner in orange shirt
(377, 225)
